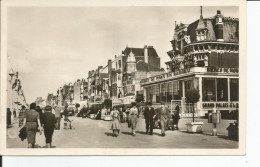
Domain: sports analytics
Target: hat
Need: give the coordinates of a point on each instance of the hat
(48, 108)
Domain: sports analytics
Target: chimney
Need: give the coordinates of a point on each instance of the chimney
(219, 26)
(145, 54)
(109, 64)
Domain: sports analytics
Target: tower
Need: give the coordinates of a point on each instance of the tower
(201, 30)
(131, 63)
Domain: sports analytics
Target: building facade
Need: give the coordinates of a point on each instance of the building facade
(205, 57)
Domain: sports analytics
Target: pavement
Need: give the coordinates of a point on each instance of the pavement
(88, 133)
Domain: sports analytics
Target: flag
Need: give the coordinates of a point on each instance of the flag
(15, 84)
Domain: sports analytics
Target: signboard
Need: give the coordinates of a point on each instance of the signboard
(222, 70)
(220, 104)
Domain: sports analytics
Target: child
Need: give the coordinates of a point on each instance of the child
(66, 118)
(116, 126)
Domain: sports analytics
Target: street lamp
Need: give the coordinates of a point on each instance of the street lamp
(93, 94)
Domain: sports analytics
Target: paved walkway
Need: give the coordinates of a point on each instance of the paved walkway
(89, 133)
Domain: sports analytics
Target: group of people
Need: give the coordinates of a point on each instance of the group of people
(35, 120)
(131, 116)
(160, 115)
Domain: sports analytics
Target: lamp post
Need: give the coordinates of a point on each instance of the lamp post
(93, 94)
(11, 73)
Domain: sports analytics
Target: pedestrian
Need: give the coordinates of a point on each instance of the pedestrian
(121, 113)
(98, 115)
(22, 116)
(164, 116)
(39, 110)
(133, 118)
(103, 112)
(149, 115)
(9, 117)
(66, 118)
(57, 111)
(176, 116)
(14, 113)
(49, 122)
(116, 126)
(33, 124)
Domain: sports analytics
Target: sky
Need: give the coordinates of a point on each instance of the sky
(51, 46)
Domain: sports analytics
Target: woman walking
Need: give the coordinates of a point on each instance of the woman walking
(32, 122)
(49, 122)
(116, 126)
(133, 117)
(22, 116)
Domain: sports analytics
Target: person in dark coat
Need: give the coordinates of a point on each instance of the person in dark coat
(49, 122)
(176, 116)
(8, 119)
(33, 124)
(149, 115)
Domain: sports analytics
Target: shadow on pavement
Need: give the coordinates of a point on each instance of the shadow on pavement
(208, 134)
(108, 134)
(127, 133)
(154, 133)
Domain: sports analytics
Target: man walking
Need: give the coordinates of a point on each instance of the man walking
(49, 122)
(149, 115)
(164, 116)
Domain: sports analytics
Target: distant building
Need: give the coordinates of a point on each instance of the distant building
(127, 69)
(39, 101)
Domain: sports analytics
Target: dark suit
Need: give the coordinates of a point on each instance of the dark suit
(148, 115)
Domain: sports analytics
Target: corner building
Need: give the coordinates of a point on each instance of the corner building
(205, 56)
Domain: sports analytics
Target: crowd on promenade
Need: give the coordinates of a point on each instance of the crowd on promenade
(160, 117)
(45, 120)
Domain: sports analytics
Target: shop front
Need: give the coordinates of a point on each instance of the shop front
(217, 89)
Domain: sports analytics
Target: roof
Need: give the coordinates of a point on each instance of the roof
(142, 66)
(140, 51)
(230, 29)
(201, 24)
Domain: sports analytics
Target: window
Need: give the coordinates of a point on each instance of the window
(119, 64)
(222, 89)
(208, 89)
(234, 89)
(177, 91)
(188, 85)
(169, 91)
(157, 92)
(162, 93)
